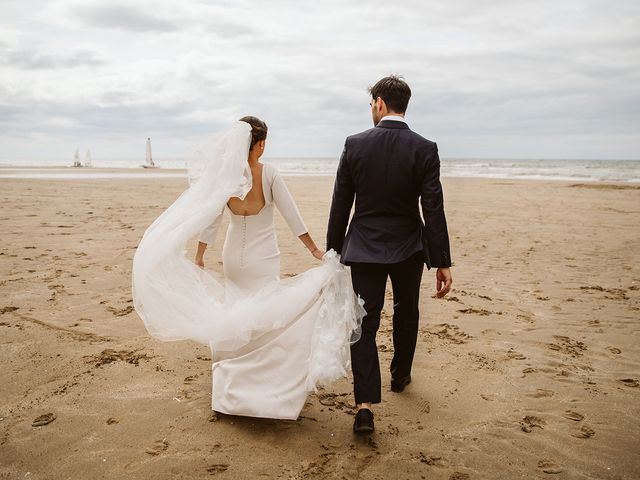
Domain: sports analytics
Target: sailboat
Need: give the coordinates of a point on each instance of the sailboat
(87, 159)
(149, 160)
(76, 159)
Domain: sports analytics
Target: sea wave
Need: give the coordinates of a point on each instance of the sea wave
(583, 170)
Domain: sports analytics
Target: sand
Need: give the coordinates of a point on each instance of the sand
(530, 368)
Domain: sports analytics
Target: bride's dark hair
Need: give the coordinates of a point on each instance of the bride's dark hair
(258, 129)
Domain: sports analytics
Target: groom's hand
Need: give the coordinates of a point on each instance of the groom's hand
(443, 282)
(199, 261)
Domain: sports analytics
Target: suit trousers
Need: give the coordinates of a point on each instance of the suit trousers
(370, 281)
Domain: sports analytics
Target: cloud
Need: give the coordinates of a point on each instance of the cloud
(503, 78)
(32, 59)
(123, 17)
(159, 17)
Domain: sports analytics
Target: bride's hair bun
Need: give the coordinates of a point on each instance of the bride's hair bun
(258, 129)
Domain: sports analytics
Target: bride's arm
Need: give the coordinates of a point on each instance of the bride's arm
(311, 245)
(289, 210)
(207, 237)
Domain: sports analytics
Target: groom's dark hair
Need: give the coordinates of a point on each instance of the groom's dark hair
(394, 91)
(258, 129)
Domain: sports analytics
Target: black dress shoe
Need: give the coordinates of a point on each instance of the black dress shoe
(363, 422)
(397, 385)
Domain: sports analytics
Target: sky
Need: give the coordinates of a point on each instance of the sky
(490, 79)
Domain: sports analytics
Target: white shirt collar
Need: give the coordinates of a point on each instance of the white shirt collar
(396, 118)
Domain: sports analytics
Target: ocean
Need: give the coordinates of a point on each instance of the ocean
(627, 171)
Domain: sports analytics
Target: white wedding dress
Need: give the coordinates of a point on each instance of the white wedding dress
(272, 341)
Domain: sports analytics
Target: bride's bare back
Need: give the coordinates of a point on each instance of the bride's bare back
(254, 201)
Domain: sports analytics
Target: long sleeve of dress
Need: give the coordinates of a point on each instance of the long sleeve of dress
(208, 235)
(286, 205)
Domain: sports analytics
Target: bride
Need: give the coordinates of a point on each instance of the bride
(272, 340)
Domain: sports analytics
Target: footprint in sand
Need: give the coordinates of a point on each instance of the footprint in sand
(614, 350)
(431, 460)
(514, 355)
(112, 421)
(459, 476)
(575, 416)
(327, 399)
(612, 293)
(528, 317)
(332, 400)
(158, 447)
(541, 393)
(629, 382)
(43, 420)
(528, 423)
(448, 332)
(109, 355)
(548, 466)
(584, 432)
(120, 312)
(4, 310)
(393, 430)
(568, 346)
(423, 406)
(216, 447)
(482, 361)
(478, 311)
(217, 468)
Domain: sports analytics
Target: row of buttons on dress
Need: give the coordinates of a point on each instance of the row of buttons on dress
(244, 240)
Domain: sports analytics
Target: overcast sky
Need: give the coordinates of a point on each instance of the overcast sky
(493, 78)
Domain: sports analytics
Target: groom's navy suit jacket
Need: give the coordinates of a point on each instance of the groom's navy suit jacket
(390, 170)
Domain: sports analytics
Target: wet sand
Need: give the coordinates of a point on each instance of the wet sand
(530, 368)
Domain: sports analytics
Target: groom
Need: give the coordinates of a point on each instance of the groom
(389, 170)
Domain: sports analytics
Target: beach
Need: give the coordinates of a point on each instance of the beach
(529, 368)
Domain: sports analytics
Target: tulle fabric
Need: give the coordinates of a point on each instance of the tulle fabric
(177, 300)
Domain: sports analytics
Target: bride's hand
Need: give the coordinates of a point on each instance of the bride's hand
(318, 253)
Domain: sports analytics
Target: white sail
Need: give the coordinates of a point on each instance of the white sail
(87, 159)
(149, 160)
